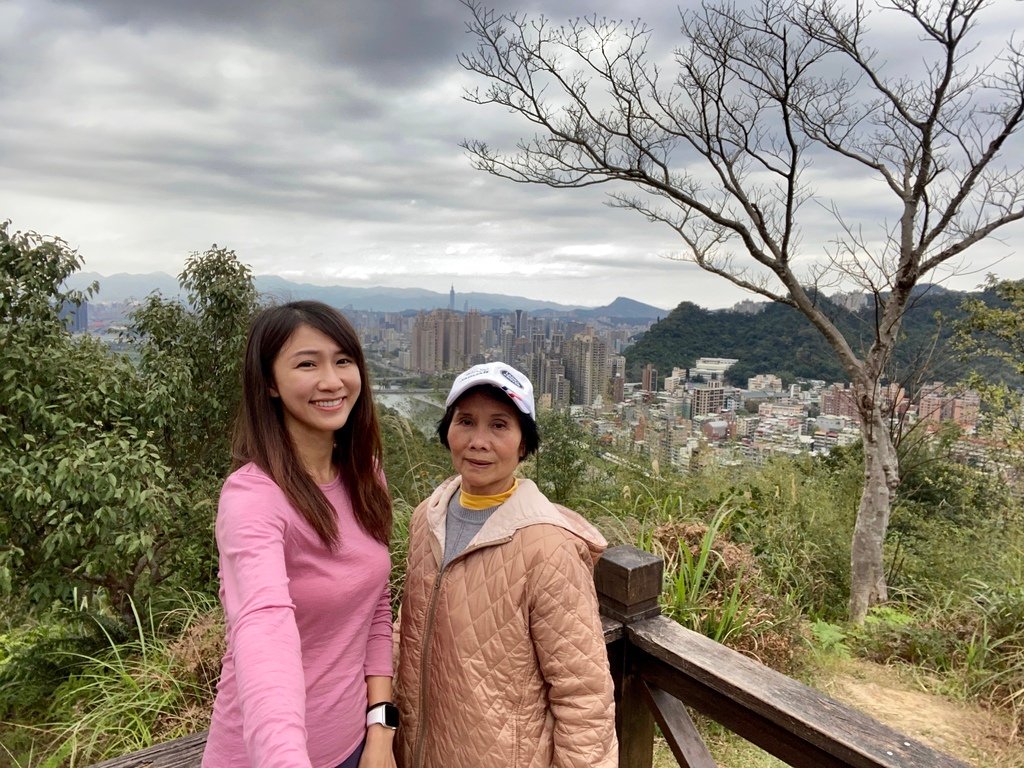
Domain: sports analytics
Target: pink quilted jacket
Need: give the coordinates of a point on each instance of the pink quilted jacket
(502, 660)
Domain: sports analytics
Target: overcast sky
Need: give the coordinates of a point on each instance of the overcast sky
(320, 140)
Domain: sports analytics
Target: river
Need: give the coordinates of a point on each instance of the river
(422, 409)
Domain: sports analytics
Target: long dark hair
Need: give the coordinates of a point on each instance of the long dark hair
(261, 437)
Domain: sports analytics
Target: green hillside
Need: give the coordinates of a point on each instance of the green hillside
(780, 340)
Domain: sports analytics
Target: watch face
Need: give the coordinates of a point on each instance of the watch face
(390, 716)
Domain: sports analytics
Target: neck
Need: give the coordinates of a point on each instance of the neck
(317, 460)
(478, 502)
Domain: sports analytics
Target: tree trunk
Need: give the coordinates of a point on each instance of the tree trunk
(881, 478)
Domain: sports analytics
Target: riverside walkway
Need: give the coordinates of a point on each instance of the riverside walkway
(661, 669)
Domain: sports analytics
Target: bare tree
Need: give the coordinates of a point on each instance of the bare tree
(721, 149)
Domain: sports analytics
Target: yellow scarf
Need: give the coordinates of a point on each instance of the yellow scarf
(470, 501)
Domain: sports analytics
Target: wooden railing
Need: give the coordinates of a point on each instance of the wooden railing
(661, 668)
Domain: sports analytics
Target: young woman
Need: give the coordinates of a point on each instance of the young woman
(502, 659)
(302, 530)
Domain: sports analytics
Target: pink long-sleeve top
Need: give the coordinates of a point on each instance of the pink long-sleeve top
(305, 627)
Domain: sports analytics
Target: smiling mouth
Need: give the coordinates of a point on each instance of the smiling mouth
(328, 403)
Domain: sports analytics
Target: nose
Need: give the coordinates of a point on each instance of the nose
(330, 379)
(478, 439)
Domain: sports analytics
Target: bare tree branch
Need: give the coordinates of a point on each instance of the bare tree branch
(724, 153)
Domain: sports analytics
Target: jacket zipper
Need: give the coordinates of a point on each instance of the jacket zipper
(428, 632)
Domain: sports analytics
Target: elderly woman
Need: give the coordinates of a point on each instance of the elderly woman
(502, 659)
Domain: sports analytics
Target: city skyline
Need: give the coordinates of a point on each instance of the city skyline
(321, 144)
(673, 416)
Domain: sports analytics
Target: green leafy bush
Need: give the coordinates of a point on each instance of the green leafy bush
(108, 462)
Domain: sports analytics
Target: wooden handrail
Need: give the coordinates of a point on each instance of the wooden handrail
(186, 752)
(661, 668)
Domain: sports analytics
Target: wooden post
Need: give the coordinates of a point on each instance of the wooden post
(628, 582)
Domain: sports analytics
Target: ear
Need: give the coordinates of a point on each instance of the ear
(273, 391)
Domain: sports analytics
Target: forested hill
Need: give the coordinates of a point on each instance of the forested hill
(780, 340)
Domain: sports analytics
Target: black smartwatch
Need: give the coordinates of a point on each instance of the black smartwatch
(385, 714)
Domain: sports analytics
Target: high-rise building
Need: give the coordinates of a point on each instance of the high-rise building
(586, 367)
(520, 353)
(838, 400)
(618, 339)
(454, 342)
(561, 392)
(508, 340)
(616, 389)
(427, 344)
(706, 399)
(935, 404)
(650, 378)
(473, 347)
(445, 341)
(966, 409)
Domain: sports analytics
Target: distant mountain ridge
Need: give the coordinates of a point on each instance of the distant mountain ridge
(624, 307)
(123, 286)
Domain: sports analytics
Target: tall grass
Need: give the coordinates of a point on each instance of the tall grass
(712, 581)
(156, 686)
(970, 641)
(401, 516)
(414, 464)
(698, 595)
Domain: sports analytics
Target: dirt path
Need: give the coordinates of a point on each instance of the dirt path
(973, 733)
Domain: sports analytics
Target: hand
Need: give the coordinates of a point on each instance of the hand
(378, 752)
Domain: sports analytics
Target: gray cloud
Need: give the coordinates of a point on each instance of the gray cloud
(319, 139)
(389, 43)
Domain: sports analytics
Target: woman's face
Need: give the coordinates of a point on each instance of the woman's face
(486, 443)
(318, 384)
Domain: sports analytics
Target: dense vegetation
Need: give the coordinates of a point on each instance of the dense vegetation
(109, 469)
(779, 340)
(109, 462)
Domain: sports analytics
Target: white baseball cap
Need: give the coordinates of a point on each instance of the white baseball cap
(506, 378)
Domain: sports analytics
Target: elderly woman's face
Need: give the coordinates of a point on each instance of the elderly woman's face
(486, 443)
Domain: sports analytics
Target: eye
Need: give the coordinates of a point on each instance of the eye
(305, 364)
(344, 360)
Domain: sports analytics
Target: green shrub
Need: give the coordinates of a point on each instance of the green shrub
(830, 638)
(798, 518)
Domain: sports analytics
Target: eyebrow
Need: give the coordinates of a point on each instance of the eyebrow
(492, 414)
(316, 352)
